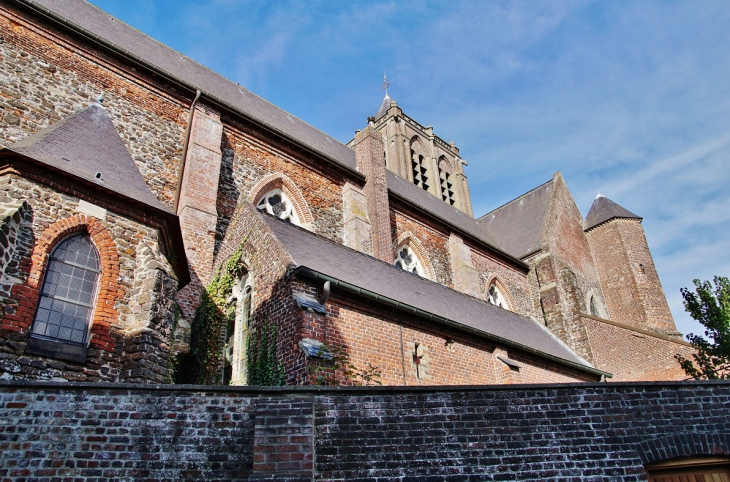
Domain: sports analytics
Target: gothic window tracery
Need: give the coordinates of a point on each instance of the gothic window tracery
(277, 203)
(69, 292)
(407, 261)
(495, 296)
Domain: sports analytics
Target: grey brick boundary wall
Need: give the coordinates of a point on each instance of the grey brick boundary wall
(89, 432)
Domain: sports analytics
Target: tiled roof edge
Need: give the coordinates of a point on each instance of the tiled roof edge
(317, 276)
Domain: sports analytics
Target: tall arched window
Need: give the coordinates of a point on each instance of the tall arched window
(495, 296)
(68, 292)
(234, 365)
(276, 203)
(407, 261)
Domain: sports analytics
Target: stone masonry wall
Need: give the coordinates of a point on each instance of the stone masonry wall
(249, 156)
(135, 311)
(46, 75)
(575, 432)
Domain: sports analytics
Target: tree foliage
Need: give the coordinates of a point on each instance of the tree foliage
(710, 306)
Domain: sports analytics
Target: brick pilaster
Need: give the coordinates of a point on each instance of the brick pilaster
(197, 207)
(370, 156)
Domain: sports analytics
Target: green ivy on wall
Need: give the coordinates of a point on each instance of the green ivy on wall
(210, 319)
(264, 368)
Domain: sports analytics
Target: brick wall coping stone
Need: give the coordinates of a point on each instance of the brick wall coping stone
(637, 330)
(311, 391)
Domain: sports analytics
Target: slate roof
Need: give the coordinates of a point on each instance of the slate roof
(383, 107)
(416, 196)
(87, 143)
(101, 24)
(329, 258)
(603, 209)
(517, 226)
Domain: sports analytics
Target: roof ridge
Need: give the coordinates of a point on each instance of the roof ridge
(190, 59)
(513, 200)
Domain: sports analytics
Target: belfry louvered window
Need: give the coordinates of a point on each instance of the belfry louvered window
(420, 172)
(447, 188)
(69, 292)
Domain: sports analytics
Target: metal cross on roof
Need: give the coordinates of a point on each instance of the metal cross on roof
(386, 83)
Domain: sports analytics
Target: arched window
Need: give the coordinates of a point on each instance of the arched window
(276, 203)
(234, 364)
(68, 292)
(447, 187)
(418, 163)
(495, 296)
(407, 261)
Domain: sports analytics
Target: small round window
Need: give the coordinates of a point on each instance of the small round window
(276, 203)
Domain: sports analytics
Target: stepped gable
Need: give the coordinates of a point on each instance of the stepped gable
(438, 209)
(603, 209)
(319, 254)
(99, 23)
(517, 226)
(86, 144)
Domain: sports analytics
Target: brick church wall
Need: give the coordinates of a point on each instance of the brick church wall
(632, 355)
(392, 341)
(249, 155)
(631, 285)
(578, 432)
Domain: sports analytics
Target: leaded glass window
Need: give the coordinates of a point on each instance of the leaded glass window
(69, 291)
(276, 203)
(495, 297)
(407, 261)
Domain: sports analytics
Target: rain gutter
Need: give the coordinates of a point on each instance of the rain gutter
(390, 302)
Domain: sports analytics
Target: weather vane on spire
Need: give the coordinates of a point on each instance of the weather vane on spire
(386, 83)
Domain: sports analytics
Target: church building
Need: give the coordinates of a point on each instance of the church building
(162, 224)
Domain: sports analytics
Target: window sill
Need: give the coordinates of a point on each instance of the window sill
(56, 349)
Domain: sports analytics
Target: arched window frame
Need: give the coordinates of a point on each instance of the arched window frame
(50, 301)
(595, 306)
(419, 165)
(446, 185)
(283, 209)
(502, 297)
(109, 291)
(280, 181)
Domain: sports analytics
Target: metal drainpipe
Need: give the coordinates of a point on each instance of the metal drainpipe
(185, 150)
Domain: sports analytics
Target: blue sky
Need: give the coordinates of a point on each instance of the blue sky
(631, 98)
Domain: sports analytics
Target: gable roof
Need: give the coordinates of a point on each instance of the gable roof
(438, 209)
(91, 21)
(87, 143)
(315, 254)
(602, 210)
(517, 226)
